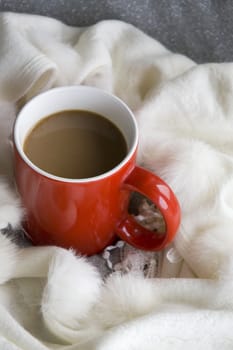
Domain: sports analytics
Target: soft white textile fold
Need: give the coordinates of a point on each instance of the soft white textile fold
(55, 300)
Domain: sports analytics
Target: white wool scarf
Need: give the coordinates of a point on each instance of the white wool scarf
(52, 299)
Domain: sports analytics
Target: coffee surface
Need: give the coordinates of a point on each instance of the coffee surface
(75, 144)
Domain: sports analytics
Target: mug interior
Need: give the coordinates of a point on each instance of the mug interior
(76, 98)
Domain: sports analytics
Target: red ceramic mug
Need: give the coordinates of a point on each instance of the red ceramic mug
(86, 214)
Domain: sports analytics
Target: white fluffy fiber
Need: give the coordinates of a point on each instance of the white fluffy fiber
(73, 287)
(186, 133)
(10, 208)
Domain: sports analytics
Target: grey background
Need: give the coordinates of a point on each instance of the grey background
(201, 29)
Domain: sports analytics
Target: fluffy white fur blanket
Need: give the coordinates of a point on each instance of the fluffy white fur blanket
(51, 299)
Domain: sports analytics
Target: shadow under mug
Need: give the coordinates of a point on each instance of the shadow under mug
(87, 214)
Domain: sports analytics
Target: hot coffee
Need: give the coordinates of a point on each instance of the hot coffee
(75, 144)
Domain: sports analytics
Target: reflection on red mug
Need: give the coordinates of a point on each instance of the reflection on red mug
(87, 214)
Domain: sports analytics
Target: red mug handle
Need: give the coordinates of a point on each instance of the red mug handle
(162, 196)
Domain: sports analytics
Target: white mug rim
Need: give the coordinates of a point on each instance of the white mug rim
(48, 175)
